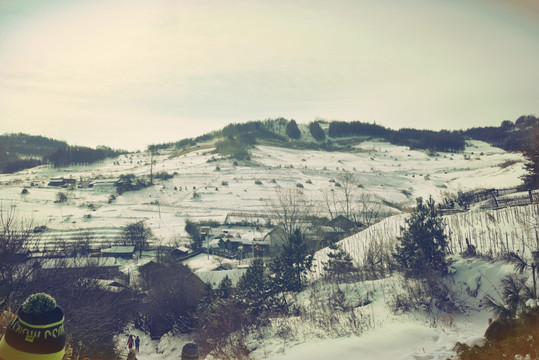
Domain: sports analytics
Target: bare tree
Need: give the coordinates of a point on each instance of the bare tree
(340, 199)
(368, 210)
(82, 244)
(291, 210)
(137, 234)
(16, 240)
(348, 200)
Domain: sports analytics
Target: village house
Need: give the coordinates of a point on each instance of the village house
(104, 184)
(125, 252)
(276, 239)
(153, 272)
(215, 277)
(62, 182)
(180, 252)
(98, 268)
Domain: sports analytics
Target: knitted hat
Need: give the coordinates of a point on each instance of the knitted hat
(37, 333)
(190, 351)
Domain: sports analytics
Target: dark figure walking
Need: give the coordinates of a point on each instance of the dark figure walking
(131, 355)
(130, 342)
(137, 344)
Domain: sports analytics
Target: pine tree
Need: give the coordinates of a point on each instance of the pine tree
(422, 248)
(193, 230)
(254, 288)
(292, 130)
(316, 131)
(531, 179)
(290, 267)
(339, 265)
(225, 288)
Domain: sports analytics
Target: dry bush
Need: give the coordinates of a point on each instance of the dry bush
(378, 261)
(221, 329)
(333, 314)
(434, 295)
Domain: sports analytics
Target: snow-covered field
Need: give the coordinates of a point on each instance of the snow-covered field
(389, 173)
(393, 174)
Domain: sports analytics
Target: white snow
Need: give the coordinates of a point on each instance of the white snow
(394, 174)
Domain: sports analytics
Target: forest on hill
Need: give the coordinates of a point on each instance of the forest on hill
(22, 151)
(234, 139)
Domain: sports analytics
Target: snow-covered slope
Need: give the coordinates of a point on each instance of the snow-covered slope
(393, 174)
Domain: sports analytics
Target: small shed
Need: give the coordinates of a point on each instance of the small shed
(341, 222)
(57, 182)
(180, 251)
(104, 183)
(276, 239)
(125, 252)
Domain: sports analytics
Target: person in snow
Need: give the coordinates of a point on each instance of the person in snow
(25, 337)
(137, 344)
(190, 352)
(131, 355)
(130, 342)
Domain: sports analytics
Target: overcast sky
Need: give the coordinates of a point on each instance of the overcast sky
(128, 73)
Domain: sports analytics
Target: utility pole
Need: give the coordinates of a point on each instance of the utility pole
(151, 165)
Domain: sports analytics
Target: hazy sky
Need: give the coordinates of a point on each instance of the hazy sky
(128, 73)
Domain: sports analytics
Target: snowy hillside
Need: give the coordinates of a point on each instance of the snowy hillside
(394, 175)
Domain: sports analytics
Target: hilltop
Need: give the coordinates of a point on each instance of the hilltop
(22, 151)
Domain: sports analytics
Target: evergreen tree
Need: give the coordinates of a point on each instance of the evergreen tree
(225, 288)
(531, 179)
(422, 248)
(316, 131)
(192, 229)
(339, 265)
(254, 287)
(207, 300)
(292, 130)
(290, 267)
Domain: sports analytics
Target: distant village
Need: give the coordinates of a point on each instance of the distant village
(239, 239)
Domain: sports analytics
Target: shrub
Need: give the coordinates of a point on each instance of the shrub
(431, 295)
(61, 197)
(194, 231)
(129, 182)
(232, 148)
(163, 175)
